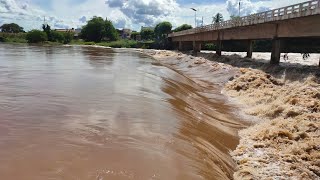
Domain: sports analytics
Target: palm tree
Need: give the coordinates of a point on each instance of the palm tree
(217, 18)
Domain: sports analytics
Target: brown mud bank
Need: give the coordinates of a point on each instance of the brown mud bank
(285, 142)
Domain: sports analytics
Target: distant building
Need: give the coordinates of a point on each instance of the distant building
(65, 30)
(75, 31)
(124, 33)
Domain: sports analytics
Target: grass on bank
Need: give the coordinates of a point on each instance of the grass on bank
(21, 38)
(13, 37)
(123, 43)
(36, 37)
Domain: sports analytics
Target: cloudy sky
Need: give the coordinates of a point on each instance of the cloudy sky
(125, 13)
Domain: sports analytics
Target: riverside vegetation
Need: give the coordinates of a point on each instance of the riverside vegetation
(97, 31)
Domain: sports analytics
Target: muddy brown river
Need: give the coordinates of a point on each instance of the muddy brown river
(92, 113)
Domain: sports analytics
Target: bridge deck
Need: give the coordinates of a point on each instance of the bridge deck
(309, 8)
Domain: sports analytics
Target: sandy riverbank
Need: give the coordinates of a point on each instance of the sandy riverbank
(284, 142)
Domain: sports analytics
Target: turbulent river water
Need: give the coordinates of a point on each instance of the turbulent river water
(95, 113)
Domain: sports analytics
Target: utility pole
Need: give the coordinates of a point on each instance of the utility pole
(239, 8)
(44, 20)
(195, 17)
(202, 21)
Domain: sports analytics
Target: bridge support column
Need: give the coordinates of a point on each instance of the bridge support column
(249, 48)
(185, 45)
(276, 51)
(219, 47)
(180, 47)
(196, 46)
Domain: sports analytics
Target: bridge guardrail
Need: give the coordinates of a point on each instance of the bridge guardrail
(297, 10)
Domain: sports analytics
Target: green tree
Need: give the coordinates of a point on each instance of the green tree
(162, 29)
(182, 28)
(217, 18)
(94, 30)
(134, 35)
(235, 19)
(11, 28)
(111, 32)
(36, 36)
(47, 29)
(98, 29)
(147, 34)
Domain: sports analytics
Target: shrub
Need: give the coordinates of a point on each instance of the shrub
(68, 37)
(16, 40)
(2, 39)
(120, 44)
(147, 45)
(182, 28)
(209, 46)
(144, 46)
(36, 36)
(57, 36)
(13, 37)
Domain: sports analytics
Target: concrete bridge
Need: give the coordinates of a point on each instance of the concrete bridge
(295, 21)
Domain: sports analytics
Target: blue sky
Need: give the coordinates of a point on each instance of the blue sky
(126, 13)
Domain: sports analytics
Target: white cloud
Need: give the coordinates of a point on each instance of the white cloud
(25, 15)
(115, 3)
(184, 15)
(248, 7)
(83, 19)
(125, 13)
(120, 20)
(145, 12)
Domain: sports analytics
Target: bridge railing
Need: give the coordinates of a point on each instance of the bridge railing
(297, 10)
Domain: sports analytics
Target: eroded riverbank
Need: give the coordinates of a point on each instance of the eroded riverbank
(285, 141)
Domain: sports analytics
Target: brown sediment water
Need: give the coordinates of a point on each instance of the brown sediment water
(93, 113)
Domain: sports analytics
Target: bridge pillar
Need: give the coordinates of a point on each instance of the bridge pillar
(196, 46)
(249, 48)
(175, 45)
(182, 46)
(219, 47)
(185, 45)
(276, 51)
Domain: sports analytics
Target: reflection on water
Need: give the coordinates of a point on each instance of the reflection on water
(88, 113)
